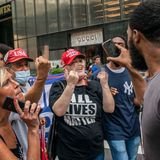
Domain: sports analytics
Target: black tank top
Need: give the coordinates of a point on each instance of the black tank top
(18, 151)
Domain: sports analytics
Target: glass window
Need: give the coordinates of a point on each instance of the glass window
(21, 30)
(30, 18)
(112, 10)
(128, 6)
(52, 16)
(55, 55)
(58, 41)
(116, 29)
(79, 13)
(40, 17)
(55, 41)
(32, 47)
(95, 11)
(64, 14)
(55, 58)
(32, 52)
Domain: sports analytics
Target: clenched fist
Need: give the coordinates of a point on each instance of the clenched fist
(103, 76)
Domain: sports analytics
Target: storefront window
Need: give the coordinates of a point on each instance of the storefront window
(30, 18)
(91, 51)
(52, 16)
(95, 11)
(79, 13)
(40, 17)
(58, 41)
(115, 29)
(56, 54)
(55, 41)
(64, 12)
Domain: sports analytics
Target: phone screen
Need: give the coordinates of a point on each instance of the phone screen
(110, 49)
(9, 104)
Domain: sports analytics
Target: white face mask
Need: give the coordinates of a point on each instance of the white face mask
(22, 76)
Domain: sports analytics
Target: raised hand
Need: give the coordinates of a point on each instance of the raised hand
(72, 77)
(43, 65)
(29, 114)
(123, 59)
(103, 76)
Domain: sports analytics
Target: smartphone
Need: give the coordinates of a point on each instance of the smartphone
(110, 49)
(9, 104)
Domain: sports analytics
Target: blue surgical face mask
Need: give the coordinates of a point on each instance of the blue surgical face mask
(22, 76)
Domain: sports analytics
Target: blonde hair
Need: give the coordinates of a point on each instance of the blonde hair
(3, 73)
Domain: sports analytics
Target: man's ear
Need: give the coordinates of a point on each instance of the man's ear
(136, 36)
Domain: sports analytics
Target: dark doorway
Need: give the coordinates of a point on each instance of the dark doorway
(6, 31)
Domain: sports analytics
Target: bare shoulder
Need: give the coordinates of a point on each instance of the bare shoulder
(5, 151)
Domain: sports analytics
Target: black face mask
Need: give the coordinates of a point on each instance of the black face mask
(138, 61)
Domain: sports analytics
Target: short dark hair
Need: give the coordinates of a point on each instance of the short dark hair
(4, 48)
(146, 19)
(95, 57)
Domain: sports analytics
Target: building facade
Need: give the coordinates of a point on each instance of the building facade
(62, 24)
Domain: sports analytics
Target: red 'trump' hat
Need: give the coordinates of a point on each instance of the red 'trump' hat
(16, 55)
(69, 55)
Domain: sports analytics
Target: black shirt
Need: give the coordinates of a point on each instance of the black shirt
(80, 129)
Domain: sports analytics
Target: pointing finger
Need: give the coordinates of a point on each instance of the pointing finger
(120, 47)
(17, 107)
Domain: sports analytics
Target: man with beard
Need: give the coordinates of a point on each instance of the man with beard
(144, 36)
(121, 128)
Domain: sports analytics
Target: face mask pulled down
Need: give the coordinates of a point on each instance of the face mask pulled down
(22, 76)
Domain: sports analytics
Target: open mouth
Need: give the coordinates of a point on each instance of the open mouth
(80, 68)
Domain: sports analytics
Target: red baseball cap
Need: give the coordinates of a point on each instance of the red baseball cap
(16, 55)
(69, 55)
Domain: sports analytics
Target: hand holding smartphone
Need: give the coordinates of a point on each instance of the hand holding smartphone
(9, 105)
(110, 48)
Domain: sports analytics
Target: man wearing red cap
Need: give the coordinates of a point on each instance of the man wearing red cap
(17, 59)
(78, 107)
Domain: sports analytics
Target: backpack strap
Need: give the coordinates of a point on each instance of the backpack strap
(63, 84)
(53, 132)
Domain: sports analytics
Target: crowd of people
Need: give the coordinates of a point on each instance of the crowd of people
(103, 105)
